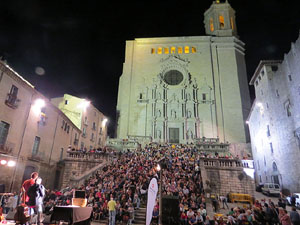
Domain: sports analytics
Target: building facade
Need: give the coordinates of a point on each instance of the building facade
(180, 89)
(34, 133)
(274, 120)
(87, 118)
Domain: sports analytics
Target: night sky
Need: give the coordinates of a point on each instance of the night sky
(81, 44)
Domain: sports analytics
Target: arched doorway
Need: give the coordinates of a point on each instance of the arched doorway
(27, 172)
(275, 174)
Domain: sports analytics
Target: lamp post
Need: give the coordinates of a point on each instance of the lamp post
(158, 168)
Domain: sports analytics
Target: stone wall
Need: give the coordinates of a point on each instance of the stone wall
(222, 176)
(81, 166)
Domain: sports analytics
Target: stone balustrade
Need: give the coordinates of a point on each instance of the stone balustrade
(122, 144)
(81, 156)
(222, 163)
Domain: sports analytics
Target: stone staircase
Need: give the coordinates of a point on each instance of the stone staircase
(139, 218)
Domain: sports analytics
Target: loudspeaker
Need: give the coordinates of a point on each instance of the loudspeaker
(170, 210)
(79, 194)
(47, 219)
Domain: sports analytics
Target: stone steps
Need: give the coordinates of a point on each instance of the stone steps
(139, 218)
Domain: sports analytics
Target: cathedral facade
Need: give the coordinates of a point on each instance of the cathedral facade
(180, 89)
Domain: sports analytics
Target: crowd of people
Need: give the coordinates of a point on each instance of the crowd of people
(264, 212)
(119, 189)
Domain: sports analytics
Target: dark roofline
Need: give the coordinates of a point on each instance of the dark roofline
(260, 65)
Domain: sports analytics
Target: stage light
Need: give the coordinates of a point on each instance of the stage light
(84, 104)
(104, 122)
(158, 167)
(259, 104)
(11, 163)
(38, 105)
(3, 162)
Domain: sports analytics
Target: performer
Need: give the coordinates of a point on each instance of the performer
(26, 185)
(36, 195)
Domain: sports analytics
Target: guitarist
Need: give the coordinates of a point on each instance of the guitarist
(26, 185)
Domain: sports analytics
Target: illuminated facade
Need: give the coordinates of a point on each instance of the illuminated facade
(31, 133)
(87, 118)
(274, 120)
(179, 89)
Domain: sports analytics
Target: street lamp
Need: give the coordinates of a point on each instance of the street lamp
(159, 169)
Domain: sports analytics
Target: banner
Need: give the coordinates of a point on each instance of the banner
(152, 192)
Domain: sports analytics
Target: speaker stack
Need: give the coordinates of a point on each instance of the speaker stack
(170, 210)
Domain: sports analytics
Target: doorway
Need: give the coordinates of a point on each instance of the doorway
(27, 173)
(174, 135)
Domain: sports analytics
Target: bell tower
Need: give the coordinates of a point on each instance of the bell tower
(219, 20)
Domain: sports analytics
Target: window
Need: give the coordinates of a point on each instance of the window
(68, 129)
(4, 127)
(232, 23)
(66, 102)
(100, 130)
(256, 83)
(288, 110)
(290, 77)
(152, 51)
(265, 163)
(277, 93)
(271, 147)
(63, 124)
(203, 97)
(66, 126)
(179, 50)
(84, 132)
(259, 77)
(12, 96)
(81, 145)
(166, 50)
(159, 50)
(211, 25)
(141, 96)
(61, 154)
(186, 49)
(194, 50)
(173, 77)
(274, 68)
(92, 137)
(274, 166)
(221, 22)
(76, 139)
(173, 50)
(268, 131)
(94, 126)
(36, 145)
(99, 141)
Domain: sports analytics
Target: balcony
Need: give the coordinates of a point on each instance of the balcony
(38, 157)
(7, 148)
(12, 101)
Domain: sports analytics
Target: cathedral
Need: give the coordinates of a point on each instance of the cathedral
(181, 89)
